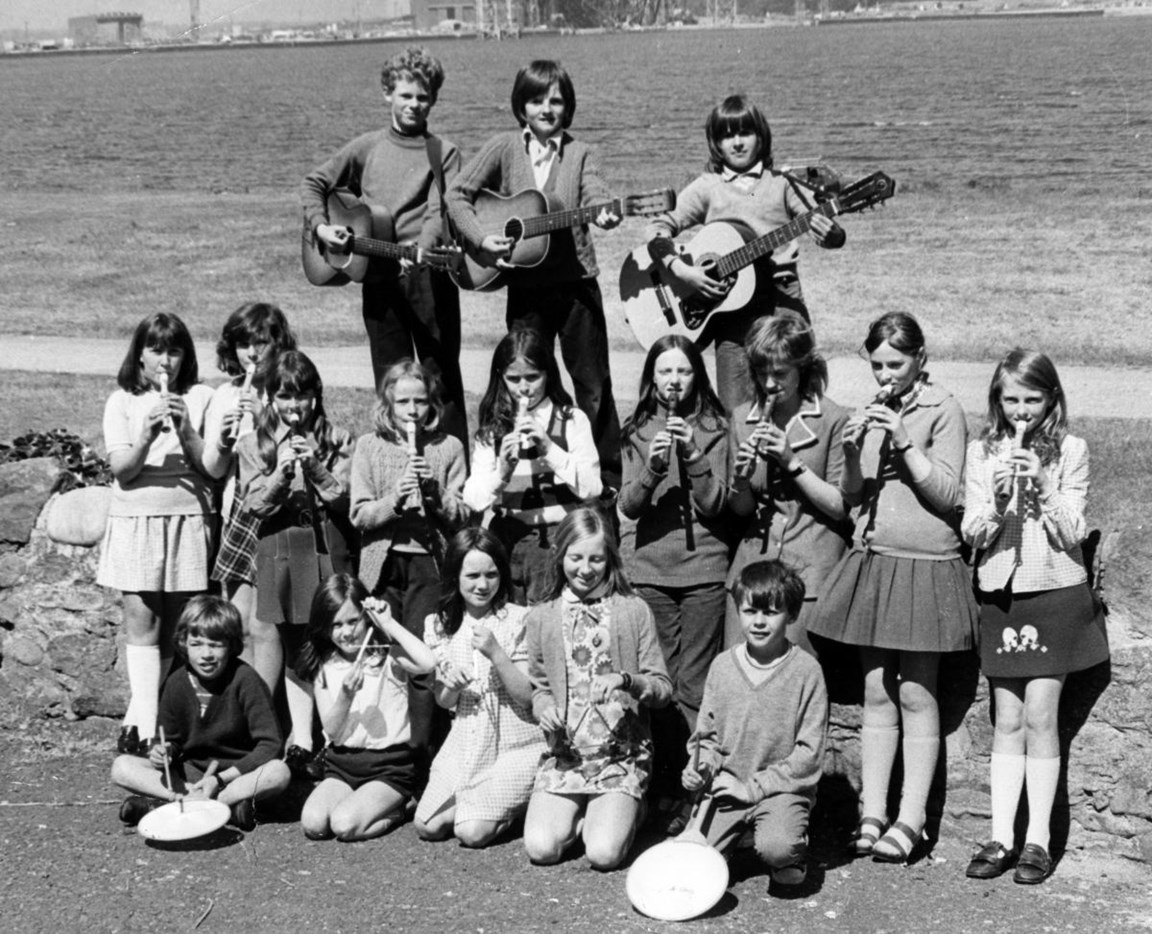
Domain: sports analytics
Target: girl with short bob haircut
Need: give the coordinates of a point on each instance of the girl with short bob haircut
(741, 186)
(1025, 494)
(157, 542)
(787, 466)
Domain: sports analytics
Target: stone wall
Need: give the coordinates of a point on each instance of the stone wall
(61, 657)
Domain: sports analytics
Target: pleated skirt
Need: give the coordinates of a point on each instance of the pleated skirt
(908, 604)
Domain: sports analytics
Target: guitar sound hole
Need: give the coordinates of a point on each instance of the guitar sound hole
(514, 228)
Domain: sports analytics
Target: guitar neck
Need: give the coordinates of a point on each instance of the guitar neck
(733, 262)
(576, 217)
(383, 249)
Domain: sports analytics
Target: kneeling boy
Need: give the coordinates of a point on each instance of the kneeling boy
(761, 728)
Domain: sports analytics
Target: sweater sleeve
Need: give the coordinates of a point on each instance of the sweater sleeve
(447, 500)
(330, 478)
(256, 703)
(652, 686)
(638, 480)
(369, 507)
(264, 493)
(708, 475)
(1062, 511)
(707, 733)
(341, 171)
(593, 189)
(799, 772)
(483, 170)
(690, 211)
(542, 697)
(945, 450)
(982, 522)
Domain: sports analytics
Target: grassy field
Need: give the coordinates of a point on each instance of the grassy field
(983, 269)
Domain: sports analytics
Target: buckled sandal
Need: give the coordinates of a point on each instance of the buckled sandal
(994, 859)
(899, 844)
(868, 831)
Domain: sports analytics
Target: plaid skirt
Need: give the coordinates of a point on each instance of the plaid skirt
(236, 560)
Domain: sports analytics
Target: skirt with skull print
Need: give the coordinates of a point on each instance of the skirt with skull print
(1040, 634)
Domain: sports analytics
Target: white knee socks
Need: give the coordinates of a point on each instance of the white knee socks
(920, 756)
(1043, 776)
(1007, 778)
(878, 747)
(300, 705)
(143, 664)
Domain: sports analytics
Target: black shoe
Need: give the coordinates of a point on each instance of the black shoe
(1033, 866)
(304, 764)
(128, 743)
(993, 860)
(134, 808)
(244, 815)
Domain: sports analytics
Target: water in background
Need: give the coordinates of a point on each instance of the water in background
(1029, 104)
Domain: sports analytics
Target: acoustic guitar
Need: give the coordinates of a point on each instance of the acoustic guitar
(656, 302)
(525, 218)
(373, 235)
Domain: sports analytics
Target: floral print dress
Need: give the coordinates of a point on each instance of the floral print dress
(605, 746)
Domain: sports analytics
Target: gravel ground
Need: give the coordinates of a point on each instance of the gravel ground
(67, 865)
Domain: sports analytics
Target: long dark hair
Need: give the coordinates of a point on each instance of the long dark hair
(469, 539)
(701, 405)
(586, 522)
(251, 322)
(736, 114)
(293, 371)
(1034, 370)
(331, 594)
(159, 331)
(497, 412)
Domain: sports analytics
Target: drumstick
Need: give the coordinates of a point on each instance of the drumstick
(168, 769)
(364, 645)
(162, 378)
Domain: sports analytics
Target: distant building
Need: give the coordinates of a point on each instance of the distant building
(428, 14)
(106, 29)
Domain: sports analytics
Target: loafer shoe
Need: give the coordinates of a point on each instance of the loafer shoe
(993, 860)
(134, 807)
(244, 815)
(1033, 866)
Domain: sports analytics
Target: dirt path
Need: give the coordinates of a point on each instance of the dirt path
(1091, 390)
(68, 866)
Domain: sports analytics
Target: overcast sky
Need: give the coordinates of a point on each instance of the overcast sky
(53, 14)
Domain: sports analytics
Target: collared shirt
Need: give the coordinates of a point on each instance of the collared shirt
(542, 155)
(746, 180)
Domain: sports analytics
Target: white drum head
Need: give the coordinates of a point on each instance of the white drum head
(200, 817)
(677, 880)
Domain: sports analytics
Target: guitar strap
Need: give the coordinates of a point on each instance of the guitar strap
(435, 149)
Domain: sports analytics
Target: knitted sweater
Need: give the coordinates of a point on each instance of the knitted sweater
(677, 536)
(376, 466)
(766, 204)
(634, 646)
(907, 520)
(502, 166)
(385, 169)
(768, 735)
(239, 728)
